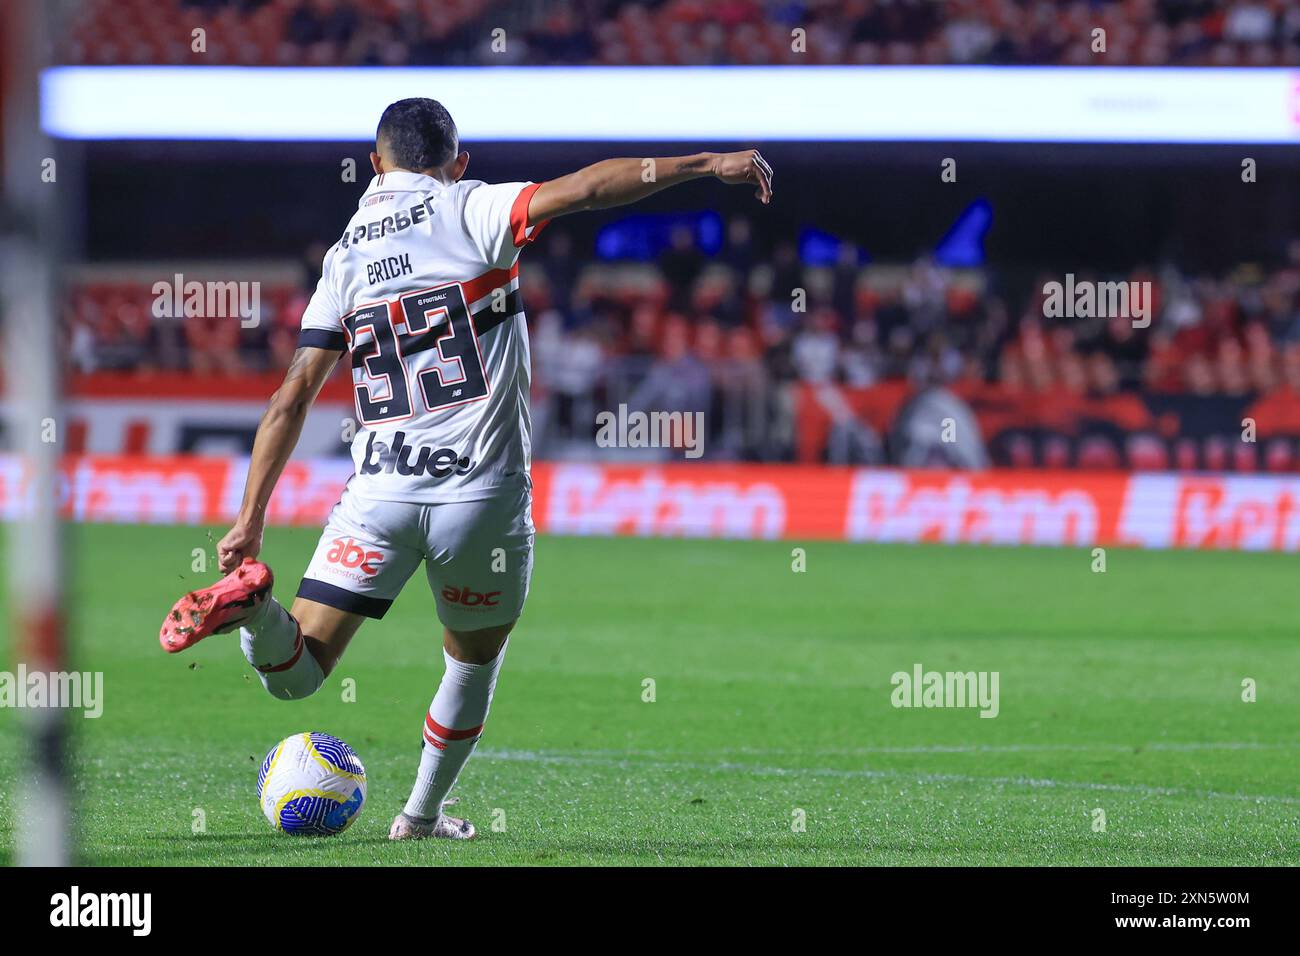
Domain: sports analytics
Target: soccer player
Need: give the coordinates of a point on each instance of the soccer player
(422, 290)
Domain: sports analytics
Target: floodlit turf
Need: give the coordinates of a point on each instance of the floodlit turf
(1119, 692)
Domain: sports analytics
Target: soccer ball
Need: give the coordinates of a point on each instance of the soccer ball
(311, 785)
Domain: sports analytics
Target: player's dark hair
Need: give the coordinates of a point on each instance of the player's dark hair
(420, 133)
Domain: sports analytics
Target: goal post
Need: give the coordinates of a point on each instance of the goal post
(31, 228)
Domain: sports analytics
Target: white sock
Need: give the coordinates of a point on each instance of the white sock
(451, 729)
(272, 642)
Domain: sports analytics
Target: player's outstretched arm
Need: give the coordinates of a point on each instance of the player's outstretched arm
(617, 182)
(277, 434)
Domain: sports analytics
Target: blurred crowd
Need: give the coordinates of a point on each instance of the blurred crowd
(751, 318)
(686, 32)
(1236, 334)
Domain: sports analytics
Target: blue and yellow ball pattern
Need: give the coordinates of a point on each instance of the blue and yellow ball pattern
(311, 784)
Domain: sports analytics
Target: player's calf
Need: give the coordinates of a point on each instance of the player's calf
(293, 652)
(453, 726)
(274, 644)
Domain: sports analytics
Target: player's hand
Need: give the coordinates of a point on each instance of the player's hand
(244, 540)
(746, 166)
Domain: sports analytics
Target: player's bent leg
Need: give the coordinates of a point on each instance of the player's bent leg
(272, 640)
(359, 566)
(293, 652)
(452, 728)
(326, 630)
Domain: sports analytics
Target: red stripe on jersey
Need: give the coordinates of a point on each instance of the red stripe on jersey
(431, 726)
(476, 289)
(519, 217)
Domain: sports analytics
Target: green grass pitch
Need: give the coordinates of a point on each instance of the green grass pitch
(1120, 692)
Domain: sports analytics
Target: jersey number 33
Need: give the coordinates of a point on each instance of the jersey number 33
(427, 336)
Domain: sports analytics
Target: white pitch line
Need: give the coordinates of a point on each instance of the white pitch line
(1026, 748)
(632, 759)
(959, 749)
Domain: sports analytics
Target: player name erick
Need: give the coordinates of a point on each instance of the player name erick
(390, 267)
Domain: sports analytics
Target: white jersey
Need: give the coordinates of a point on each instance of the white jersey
(423, 291)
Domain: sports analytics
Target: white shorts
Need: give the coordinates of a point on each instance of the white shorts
(478, 557)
